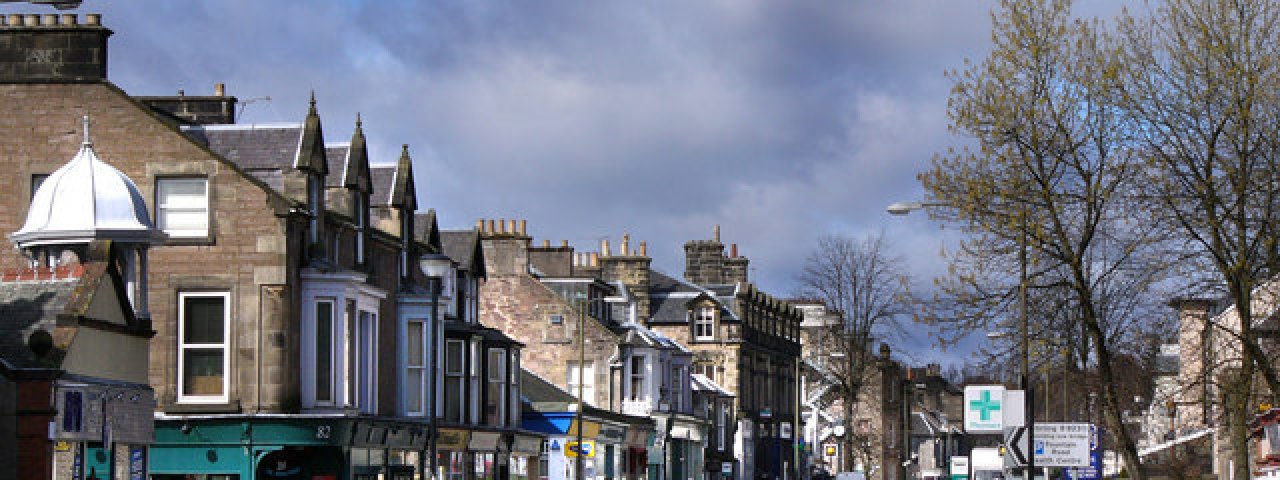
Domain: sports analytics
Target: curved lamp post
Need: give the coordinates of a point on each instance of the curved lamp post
(1024, 330)
(435, 266)
(582, 304)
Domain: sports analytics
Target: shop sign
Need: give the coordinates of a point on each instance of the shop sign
(586, 449)
(137, 463)
(451, 439)
(590, 429)
(484, 441)
(611, 434)
(527, 444)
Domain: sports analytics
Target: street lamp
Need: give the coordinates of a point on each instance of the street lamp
(1024, 330)
(435, 266)
(583, 303)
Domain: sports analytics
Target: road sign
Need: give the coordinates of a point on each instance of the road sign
(983, 408)
(1062, 444)
(1015, 447)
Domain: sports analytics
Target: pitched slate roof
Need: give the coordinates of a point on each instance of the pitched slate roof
(380, 178)
(426, 230)
(27, 306)
(703, 384)
(337, 155)
(252, 147)
(463, 246)
(669, 296)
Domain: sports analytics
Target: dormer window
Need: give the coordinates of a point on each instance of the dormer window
(704, 323)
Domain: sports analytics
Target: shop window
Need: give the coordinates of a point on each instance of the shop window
(203, 323)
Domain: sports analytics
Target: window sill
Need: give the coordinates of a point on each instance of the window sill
(229, 407)
(189, 241)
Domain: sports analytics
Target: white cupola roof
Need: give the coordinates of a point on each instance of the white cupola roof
(86, 200)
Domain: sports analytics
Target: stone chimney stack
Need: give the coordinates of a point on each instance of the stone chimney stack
(52, 48)
(735, 267)
(704, 261)
(632, 269)
(505, 252)
(216, 109)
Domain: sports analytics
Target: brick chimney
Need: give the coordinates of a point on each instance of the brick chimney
(52, 48)
(735, 267)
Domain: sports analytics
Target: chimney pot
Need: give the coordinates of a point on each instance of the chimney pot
(546, 243)
(564, 244)
(15, 20)
(49, 20)
(219, 89)
(604, 247)
(31, 20)
(93, 19)
(523, 223)
(644, 249)
(733, 251)
(69, 19)
(595, 259)
(181, 92)
(491, 227)
(480, 225)
(502, 226)
(716, 233)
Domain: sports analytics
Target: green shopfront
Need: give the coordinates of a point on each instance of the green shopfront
(287, 447)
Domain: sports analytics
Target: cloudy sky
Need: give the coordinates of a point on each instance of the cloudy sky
(781, 121)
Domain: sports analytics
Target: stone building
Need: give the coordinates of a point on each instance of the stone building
(741, 338)
(285, 296)
(74, 329)
(552, 300)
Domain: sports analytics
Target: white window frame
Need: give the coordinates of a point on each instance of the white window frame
(722, 426)
(365, 366)
(704, 323)
(164, 206)
(455, 377)
(496, 379)
(588, 380)
(225, 346)
(637, 378)
(419, 371)
(335, 335)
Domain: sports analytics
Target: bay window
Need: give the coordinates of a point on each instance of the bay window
(454, 381)
(495, 395)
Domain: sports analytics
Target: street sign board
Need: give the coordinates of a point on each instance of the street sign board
(959, 468)
(1062, 444)
(983, 408)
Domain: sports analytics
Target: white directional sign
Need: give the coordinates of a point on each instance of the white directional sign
(984, 408)
(1062, 445)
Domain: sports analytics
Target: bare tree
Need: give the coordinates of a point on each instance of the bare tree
(1048, 188)
(863, 283)
(1203, 85)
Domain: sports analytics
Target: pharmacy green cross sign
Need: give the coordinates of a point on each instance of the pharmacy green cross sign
(985, 405)
(984, 410)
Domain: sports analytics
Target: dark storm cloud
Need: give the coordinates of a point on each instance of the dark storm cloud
(780, 121)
